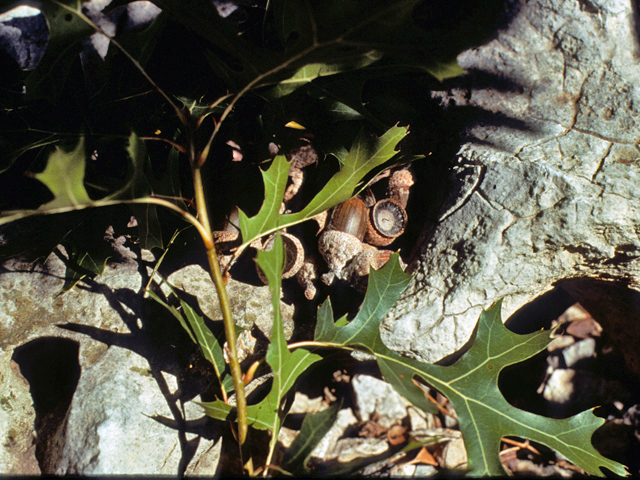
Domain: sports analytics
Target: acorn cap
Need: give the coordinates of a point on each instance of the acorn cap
(294, 255)
(337, 248)
(387, 221)
(399, 186)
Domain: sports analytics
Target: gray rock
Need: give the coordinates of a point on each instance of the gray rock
(91, 386)
(454, 454)
(581, 350)
(17, 417)
(349, 449)
(24, 35)
(24, 32)
(108, 426)
(325, 448)
(375, 396)
(555, 192)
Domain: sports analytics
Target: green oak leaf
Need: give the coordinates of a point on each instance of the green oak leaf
(471, 384)
(363, 332)
(286, 366)
(313, 71)
(315, 41)
(64, 176)
(198, 331)
(314, 427)
(266, 220)
(366, 154)
(141, 183)
(66, 33)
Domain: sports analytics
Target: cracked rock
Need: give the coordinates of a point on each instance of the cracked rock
(551, 115)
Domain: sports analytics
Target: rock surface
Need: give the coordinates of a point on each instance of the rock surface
(81, 380)
(550, 173)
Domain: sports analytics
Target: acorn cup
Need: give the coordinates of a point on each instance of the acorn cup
(294, 255)
(387, 221)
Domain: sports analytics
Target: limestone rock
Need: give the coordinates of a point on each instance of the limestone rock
(375, 396)
(550, 174)
(108, 429)
(81, 378)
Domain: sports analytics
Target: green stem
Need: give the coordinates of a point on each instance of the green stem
(225, 306)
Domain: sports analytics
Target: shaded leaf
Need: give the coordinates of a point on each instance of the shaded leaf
(175, 312)
(140, 44)
(314, 427)
(314, 40)
(313, 71)
(66, 32)
(81, 263)
(198, 331)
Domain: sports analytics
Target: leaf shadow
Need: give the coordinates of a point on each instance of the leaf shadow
(159, 339)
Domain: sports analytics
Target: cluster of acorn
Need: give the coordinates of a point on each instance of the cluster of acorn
(350, 243)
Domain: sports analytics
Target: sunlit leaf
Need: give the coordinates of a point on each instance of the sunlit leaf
(366, 154)
(286, 366)
(64, 176)
(266, 220)
(471, 384)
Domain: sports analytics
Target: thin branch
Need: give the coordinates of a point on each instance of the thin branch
(175, 145)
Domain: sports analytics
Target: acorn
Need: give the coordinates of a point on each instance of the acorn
(357, 272)
(294, 255)
(342, 240)
(399, 185)
(307, 276)
(387, 221)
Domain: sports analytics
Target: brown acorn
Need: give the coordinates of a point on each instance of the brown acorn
(342, 240)
(387, 221)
